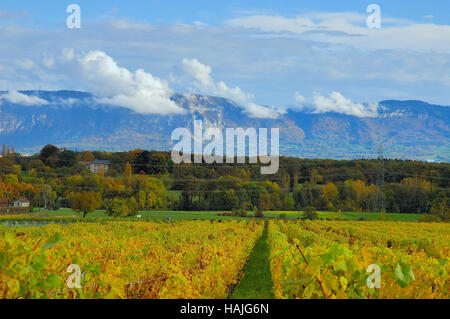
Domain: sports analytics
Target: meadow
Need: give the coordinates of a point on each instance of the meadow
(200, 215)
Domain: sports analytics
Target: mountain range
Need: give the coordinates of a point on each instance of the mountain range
(72, 119)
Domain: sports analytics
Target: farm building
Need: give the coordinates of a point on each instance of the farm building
(3, 202)
(22, 202)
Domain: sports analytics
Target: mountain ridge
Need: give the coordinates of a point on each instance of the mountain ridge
(409, 129)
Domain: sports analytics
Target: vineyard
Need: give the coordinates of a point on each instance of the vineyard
(206, 259)
(126, 259)
(324, 259)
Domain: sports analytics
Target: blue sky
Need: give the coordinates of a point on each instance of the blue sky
(318, 55)
(214, 12)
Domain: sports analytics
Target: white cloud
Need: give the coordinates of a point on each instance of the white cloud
(200, 24)
(48, 62)
(68, 54)
(350, 29)
(99, 74)
(19, 98)
(337, 103)
(139, 91)
(274, 23)
(204, 83)
(299, 98)
(125, 24)
(300, 102)
(26, 64)
(199, 71)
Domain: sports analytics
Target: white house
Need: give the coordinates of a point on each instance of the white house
(21, 202)
(96, 165)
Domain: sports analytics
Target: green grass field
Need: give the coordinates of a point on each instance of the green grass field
(257, 281)
(175, 215)
(191, 215)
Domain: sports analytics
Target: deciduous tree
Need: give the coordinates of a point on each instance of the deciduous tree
(86, 202)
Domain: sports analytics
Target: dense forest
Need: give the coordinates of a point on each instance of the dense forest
(149, 180)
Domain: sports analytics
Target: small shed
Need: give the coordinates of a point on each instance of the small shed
(21, 202)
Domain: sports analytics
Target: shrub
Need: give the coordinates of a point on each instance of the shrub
(309, 212)
(259, 213)
(57, 205)
(428, 218)
(118, 207)
(440, 207)
(225, 214)
(239, 212)
(14, 210)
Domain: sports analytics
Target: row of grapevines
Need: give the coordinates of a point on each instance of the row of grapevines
(411, 237)
(307, 267)
(191, 259)
(315, 263)
(431, 274)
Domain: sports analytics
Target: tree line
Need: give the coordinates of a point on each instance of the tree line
(147, 180)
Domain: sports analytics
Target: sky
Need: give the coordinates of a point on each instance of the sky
(265, 55)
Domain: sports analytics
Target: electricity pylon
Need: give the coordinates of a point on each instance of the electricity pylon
(379, 195)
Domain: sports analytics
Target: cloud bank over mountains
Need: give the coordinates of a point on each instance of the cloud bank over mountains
(204, 83)
(336, 103)
(144, 93)
(112, 84)
(19, 98)
(139, 90)
(254, 59)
